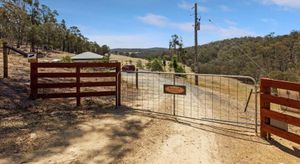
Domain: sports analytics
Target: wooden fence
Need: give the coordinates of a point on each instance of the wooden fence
(6, 49)
(35, 85)
(266, 98)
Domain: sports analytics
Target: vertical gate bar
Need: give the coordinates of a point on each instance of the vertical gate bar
(220, 97)
(174, 96)
(142, 90)
(256, 113)
(127, 89)
(163, 95)
(198, 100)
(237, 101)
(228, 99)
(153, 97)
(205, 94)
(147, 91)
(169, 110)
(183, 100)
(137, 79)
(191, 100)
(133, 91)
(212, 97)
(249, 101)
(157, 92)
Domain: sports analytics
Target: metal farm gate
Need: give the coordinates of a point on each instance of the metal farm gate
(218, 98)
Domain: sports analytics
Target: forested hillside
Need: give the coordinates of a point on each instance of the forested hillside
(27, 22)
(273, 56)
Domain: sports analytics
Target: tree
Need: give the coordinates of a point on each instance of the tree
(31, 22)
(104, 50)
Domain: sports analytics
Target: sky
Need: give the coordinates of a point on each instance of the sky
(150, 23)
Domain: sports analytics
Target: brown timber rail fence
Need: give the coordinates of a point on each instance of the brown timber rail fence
(78, 84)
(267, 114)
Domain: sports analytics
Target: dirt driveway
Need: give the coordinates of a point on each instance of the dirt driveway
(124, 136)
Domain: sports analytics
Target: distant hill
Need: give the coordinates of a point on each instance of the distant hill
(269, 56)
(140, 52)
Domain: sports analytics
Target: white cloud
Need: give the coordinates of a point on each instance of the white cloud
(226, 32)
(230, 22)
(269, 21)
(153, 19)
(185, 5)
(188, 6)
(284, 3)
(223, 32)
(129, 40)
(225, 8)
(162, 21)
(203, 9)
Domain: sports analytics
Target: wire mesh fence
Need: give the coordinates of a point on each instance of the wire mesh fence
(224, 98)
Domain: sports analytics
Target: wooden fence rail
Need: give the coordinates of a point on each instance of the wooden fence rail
(267, 114)
(35, 85)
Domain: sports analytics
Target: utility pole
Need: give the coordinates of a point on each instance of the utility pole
(196, 28)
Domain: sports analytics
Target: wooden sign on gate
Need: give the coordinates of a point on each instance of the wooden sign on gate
(175, 89)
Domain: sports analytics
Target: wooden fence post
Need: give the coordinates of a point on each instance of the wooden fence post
(264, 105)
(78, 86)
(33, 81)
(118, 87)
(5, 60)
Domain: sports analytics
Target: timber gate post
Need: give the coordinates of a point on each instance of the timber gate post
(33, 79)
(264, 105)
(5, 60)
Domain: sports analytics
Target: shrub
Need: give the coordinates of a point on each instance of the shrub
(156, 65)
(139, 64)
(180, 69)
(106, 58)
(66, 59)
(148, 64)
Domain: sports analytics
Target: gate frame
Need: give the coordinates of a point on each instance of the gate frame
(255, 86)
(34, 85)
